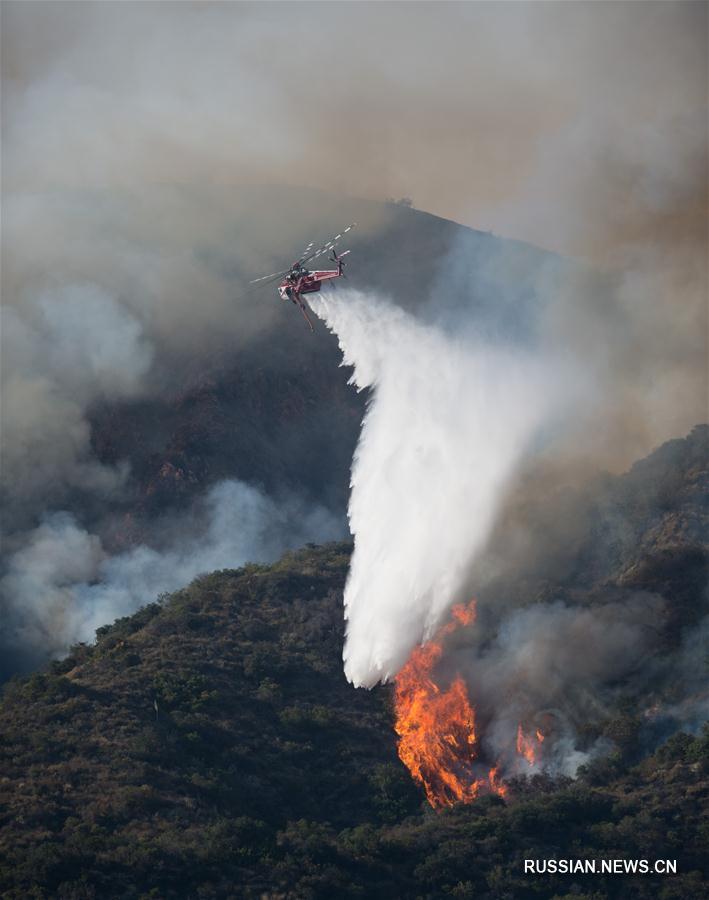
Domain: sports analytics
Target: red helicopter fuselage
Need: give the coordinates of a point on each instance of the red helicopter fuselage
(300, 281)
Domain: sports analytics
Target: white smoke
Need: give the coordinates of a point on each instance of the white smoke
(61, 585)
(448, 420)
(557, 666)
(64, 349)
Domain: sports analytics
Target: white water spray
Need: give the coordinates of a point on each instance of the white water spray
(446, 425)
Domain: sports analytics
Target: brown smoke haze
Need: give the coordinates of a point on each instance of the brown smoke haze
(569, 125)
(579, 127)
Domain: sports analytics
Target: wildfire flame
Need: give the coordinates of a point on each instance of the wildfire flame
(528, 746)
(438, 742)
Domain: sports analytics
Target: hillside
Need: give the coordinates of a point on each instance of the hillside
(209, 746)
(217, 380)
(275, 409)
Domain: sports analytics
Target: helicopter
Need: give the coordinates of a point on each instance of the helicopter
(298, 280)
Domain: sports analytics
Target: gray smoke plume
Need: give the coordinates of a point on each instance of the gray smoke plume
(135, 141)
(61, 585)
(558, 668)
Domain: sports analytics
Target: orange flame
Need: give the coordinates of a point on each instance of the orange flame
(528, 746)
(496, 785)
(436, 728)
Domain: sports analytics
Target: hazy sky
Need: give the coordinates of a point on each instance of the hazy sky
(500, 115)
(580, 127)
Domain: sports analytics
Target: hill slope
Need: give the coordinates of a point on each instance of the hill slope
(222, 381)
(208, 746)
(275, 410)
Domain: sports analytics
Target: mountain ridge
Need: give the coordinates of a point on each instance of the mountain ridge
(209, 745)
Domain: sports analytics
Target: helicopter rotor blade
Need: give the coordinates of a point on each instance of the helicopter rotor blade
(272, 275)
(306, 251)
(328, 245)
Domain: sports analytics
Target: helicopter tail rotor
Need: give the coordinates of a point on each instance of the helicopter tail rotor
(337, 259)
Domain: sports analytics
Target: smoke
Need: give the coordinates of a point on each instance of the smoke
(70, 348)
(61, 585)
(136, 142)
(459, 106)
(560, 669)
(462, 482)
(447, 422)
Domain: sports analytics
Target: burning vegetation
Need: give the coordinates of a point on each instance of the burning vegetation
(438, 735)
(528, 745)
(438, 741)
